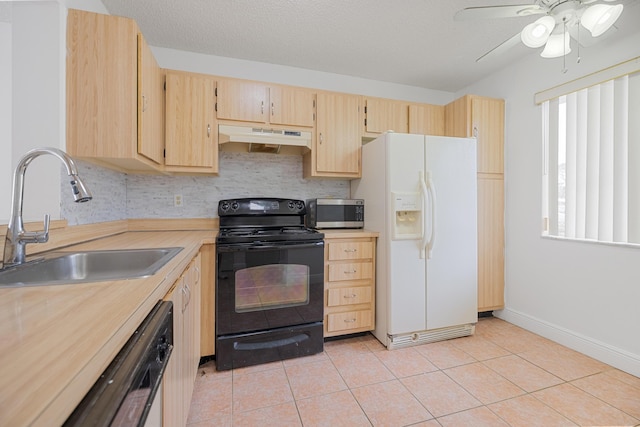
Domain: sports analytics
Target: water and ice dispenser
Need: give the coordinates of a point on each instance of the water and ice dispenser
(408, 221)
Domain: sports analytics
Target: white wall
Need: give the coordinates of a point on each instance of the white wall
(35, 84)
(583, 295)
(229, 67)
(5, 109)
(32, 99)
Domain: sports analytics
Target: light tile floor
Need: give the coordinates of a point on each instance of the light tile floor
(501, 376)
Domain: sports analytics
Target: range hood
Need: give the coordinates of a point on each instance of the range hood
(263, 140)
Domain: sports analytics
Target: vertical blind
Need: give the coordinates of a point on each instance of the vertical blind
(591, 180)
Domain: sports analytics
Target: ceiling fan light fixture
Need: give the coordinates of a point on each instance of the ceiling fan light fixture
(557, 45)
(598, 18)
(537, 33)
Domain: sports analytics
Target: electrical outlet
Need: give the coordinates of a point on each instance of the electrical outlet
(177, 200)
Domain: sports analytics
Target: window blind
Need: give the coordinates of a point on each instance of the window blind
(591, 180)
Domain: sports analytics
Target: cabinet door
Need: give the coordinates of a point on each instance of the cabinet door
(338, 142)
(426, 119)
(173, 412)
(150, 104)
(191, 131)
(482, 118)
(487, 125)
(457, 117)
(194, 313)
(291, 106)
(382, 115)
(242, 100)
(102, 53)
(207, 300)
(490, 244)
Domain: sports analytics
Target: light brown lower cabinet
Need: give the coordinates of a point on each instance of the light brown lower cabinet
(490, 242)
(349, 301)
(180, 374)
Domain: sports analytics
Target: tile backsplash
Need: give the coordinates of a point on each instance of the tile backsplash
(119, 196)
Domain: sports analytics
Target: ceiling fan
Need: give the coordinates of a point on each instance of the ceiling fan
(561, 20)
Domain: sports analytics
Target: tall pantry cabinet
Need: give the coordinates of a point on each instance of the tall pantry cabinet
(483, 118)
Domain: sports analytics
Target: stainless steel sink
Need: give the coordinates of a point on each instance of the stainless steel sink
(59, 267)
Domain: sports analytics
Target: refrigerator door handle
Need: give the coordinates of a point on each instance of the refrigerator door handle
(429, 193)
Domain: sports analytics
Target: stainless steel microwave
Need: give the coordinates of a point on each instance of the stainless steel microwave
(335, 213)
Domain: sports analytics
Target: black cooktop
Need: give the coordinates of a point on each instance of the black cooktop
(254, 220)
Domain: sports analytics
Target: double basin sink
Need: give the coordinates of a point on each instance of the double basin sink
(60, 267)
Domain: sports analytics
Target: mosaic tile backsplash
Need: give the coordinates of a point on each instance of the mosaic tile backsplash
(120, 196)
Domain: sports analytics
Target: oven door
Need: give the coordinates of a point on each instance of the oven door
(266, 286)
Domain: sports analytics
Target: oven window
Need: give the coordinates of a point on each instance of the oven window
(271, 286)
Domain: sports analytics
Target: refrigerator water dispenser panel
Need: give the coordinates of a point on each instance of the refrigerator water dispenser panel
(408, 216)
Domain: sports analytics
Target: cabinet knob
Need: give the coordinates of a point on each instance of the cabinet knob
(208, 130)
(349, 320)
(144, 103)
(475, 131)
(262, 107)
(350, 296)
(350, 271)
(272, 109)
(351, 250)
(320, 138)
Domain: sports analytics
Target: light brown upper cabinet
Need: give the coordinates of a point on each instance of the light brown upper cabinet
(337, 144)
(150, 104)
(483, 118)
(381, 115)
(426, 119)
(191, 127)
(248, 101)
(103, 94)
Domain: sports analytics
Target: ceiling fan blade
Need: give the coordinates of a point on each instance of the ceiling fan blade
(505, 11)
(501, 48)
(581, 34)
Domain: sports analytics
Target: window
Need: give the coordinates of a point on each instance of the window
(591, 181)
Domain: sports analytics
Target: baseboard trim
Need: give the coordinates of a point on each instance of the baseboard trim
(616, 357)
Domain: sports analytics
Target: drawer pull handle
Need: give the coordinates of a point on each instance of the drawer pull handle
(350, 296)
(349, 320)
(351, 250)
(354, 271)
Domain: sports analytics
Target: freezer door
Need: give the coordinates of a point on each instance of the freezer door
(407, 274)
(451, 270)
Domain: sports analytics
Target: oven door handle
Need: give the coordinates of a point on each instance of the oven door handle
(270, 344)
(267, 247)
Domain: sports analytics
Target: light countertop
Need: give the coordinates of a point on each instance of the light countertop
(56, 340)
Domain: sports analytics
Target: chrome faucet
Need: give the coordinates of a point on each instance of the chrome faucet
(17, 237)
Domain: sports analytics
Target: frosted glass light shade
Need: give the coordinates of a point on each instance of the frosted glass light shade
(598, 18)
(537, 33)
(557, 45)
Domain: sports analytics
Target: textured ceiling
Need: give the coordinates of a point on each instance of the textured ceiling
(411, 42)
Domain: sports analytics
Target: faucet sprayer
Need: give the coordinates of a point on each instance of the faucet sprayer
(17, 237)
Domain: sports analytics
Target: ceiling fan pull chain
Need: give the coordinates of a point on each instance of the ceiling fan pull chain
(578, 30)
(564, 45)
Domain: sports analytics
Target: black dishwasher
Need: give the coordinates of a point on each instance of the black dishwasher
(125, 393)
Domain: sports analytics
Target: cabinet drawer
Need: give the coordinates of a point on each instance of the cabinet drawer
(349, 320)
(350, 271)
(348, 296)
(350, 250)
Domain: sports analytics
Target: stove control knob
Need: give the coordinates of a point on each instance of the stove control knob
(299, 205)
(224, 206)
(291, 205)
(235, 206)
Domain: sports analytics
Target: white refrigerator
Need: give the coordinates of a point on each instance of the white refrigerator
(420, 195)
